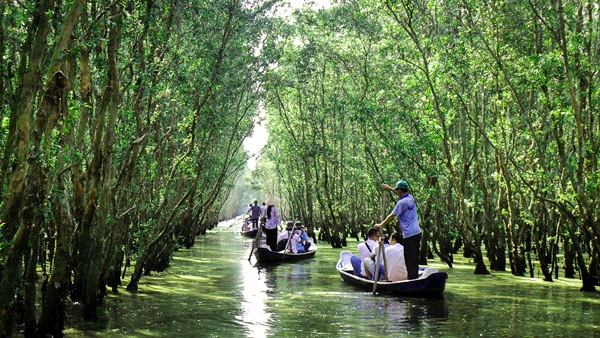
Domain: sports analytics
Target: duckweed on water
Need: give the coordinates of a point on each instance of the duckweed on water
(212, 290)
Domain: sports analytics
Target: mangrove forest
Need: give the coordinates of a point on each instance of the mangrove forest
(123, 122)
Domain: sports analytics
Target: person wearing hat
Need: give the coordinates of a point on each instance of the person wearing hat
(272, 222)
(406, 212)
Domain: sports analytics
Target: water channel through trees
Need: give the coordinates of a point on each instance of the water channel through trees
(212, 290)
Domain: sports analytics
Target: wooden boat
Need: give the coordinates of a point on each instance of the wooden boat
(264, 254)
(431, 282)
(249, 233)
(247, 230)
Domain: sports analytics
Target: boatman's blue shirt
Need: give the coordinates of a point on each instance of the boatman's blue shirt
(406, 211)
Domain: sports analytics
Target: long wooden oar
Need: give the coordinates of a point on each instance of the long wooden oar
(381, 250)
(241, 220)
(256, 241)
(383, 215)
(288, 245)
(380, 256)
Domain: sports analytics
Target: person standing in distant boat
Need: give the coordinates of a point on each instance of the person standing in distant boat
(406, 212)
(255, 214)
(272, 222)
(263, 212)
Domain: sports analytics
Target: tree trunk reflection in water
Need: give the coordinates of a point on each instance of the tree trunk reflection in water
(211, 290)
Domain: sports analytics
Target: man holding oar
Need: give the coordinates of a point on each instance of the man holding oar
(406, 212)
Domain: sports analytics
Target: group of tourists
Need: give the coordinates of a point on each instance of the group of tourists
(294, 239)
(255, 214)
(398, 259)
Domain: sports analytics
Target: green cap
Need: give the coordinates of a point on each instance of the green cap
(402, 184)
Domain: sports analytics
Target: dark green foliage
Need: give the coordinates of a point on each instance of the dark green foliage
(486, 108)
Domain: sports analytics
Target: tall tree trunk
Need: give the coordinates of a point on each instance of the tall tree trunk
(568, 258)
(31, 193)
(53, 314)
(93, 225)
(22, 107)
(78, 175)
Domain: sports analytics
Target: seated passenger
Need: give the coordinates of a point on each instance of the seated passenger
(394, 259)
(295, 243)
(282, 240)
(364, 250)
(304, 243)
(369, 264)
(396, 267)
(246, 224)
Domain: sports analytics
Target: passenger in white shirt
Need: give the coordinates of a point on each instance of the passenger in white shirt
(282, 240)
(394, 254)
(394, 259)
(285, 234)
(294, 241)
(365, 249)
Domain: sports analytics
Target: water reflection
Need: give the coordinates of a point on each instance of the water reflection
(212, 290)
(267, 275)
(407, 311)
(392, 315)
(298, 274)
(254, 309)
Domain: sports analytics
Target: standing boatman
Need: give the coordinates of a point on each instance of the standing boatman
(263, 214)
(255, 214)
(406, 212)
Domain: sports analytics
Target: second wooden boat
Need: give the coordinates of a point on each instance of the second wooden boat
(431, 282)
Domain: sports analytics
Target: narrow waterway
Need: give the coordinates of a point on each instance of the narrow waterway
(212, 290)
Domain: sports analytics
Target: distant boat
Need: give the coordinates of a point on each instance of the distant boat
(249, 233)
(264, 254)
(431, 282)
(247, 229)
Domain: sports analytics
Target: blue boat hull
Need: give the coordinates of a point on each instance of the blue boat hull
(432, 285)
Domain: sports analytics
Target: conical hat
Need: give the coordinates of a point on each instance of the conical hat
(272, 201)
